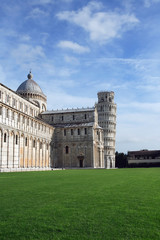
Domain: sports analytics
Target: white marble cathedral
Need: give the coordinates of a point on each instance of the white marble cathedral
(33, 138)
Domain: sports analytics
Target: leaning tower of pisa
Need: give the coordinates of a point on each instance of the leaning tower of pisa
(107, 120)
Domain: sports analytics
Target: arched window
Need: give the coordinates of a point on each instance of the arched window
(99, 136)
(34, 143)
(78, 131)
(43, 107)
(5, 137)
(16, 139)
(67, 149)
(25, 141)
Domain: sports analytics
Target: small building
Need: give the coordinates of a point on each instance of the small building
(144, 158)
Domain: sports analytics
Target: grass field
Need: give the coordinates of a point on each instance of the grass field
(81, 204)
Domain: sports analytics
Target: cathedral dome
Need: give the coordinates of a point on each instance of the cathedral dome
(29, 86)
(30, 90)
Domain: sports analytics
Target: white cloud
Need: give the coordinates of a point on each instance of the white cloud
(41, 2)
(75, 47)
(148, 87)
(44, 37)
(27, 54)
(51, 70)
(148, 3)
(44, 2)
(131, 61)
(8, 32)
(72, 60)
(101, 26)
(37, 13)
(68, 1)
(128, 5)
(25, 38)
(65, 72)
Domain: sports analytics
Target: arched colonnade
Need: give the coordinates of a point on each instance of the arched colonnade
(20, 150)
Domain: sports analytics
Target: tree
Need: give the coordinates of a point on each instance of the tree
(121, 160)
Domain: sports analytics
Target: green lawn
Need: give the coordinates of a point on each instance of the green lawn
(81, 204)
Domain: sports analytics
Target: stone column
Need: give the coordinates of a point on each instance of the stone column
(23, 152)
(0, 148)
(49, 157)
(31, 165)
(8, 150)
(46, 146)
(28, 152)
(43, 146)
(36, 153)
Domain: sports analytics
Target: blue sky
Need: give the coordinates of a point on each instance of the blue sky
(76, 48)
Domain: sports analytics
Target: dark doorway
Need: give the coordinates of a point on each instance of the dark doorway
(81, 163)
(80, 158)
(110, 164)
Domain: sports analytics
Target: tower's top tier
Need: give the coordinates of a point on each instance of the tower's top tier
(105, 97)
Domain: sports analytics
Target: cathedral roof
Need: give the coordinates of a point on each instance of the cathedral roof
(70, 110)
(29, 86)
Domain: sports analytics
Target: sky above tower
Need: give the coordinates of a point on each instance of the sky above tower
(76, 48)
